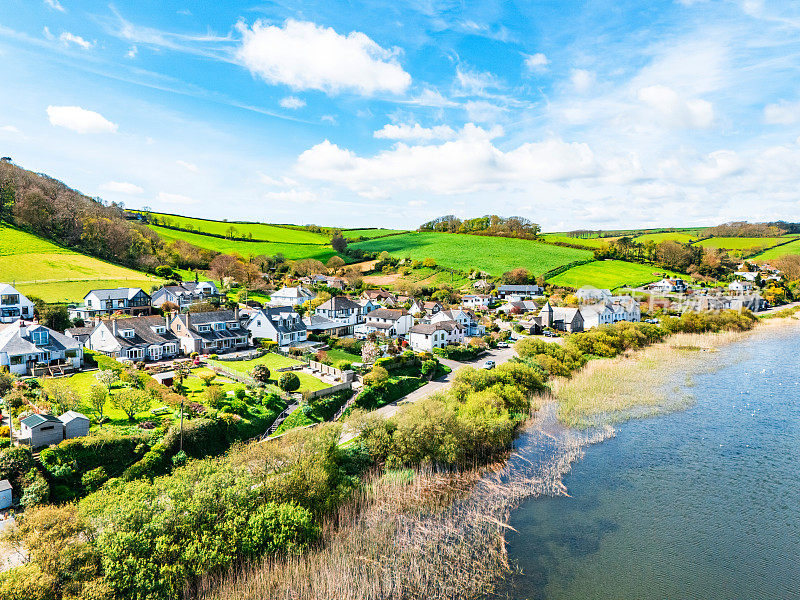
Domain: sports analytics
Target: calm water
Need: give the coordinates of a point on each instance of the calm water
(703, 503)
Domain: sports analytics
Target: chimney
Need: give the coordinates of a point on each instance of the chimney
(236, 313)
(188, 321)
(96, 320)
(167, 318)
(114, 326)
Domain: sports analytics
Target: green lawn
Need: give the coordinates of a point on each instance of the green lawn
(494, 255)
(740, 243)
(592, 242)
(675, 236)
(337, 354)
(369, 233)
(195, 388)
(608, 274)
(274, 362)
(292, 251)
(39, 268)
(784, 250)
(260, 231)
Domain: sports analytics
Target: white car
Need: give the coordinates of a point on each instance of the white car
(489, 364)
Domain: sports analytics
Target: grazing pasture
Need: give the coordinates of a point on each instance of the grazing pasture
(741, 243)
(778, 251)
(673, 236)
(369, 233)
(609, 274)
(592, 242)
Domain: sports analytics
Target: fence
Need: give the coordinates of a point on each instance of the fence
(235, 375)
(249, 356)
(329, 370)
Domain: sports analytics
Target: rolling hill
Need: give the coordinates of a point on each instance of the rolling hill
(40, 268)
(609, 274)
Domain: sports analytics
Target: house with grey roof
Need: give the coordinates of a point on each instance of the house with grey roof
(135, 338)
(186, 294)
(291, 296)
(519, 292)
(390, 322)
(562, 318)
(129, 301)
(425, 337)
(281, 324)
(212, 332)
(13, 305)
(34, 349)
(470, 324)
(39, 430)
(342, 311)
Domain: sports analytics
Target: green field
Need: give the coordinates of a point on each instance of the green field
(260, 231)
(369, 233)
(673, 236)
(784, 250)
(608, 274)
(494, 255)
(592, 242)
(39, 268)
(274, 362)
(291, 251)
(740, 243)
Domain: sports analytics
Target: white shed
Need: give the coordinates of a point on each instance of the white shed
(75, 424)
(5, 494)
(41, 430)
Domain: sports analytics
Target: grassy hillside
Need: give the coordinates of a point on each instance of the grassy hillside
(491, 254)
(740, 243)
(40, 268)
(674, 236)
(259, 231)
(291, 251)
(777, 252)
(608, 274)
(369, 233)
(592, 242)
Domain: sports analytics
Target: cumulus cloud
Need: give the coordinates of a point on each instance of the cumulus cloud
(415, 132)
(693, 113)
(121, 187)
(536, 62)
(80, 120)
(166, 198)
(782, 113)
(305, 56)
(68, 38)
(187, 165)
(292, 102)
(582, 80)
(55, 5)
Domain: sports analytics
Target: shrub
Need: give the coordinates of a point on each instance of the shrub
(289, 382)
(284, 528)
(377, 377)
(214, 395)
(261, 374)
(179, 459)
(93, 479)
(428, 367)
(36, 490)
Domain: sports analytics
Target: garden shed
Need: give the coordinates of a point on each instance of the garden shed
(75, 424)
(5, 494)
(41, 430)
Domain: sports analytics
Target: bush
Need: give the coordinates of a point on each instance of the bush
(36, 490)
(279, 528)
(459, 353)
(261, 374)
(240, 393)
(428, 367)
(93, 479)
(179, 459)
(214, 396)
(377, 377)
(289, 382)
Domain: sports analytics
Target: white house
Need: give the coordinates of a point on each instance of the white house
(425, 337)
(212, 332)
(5, 494)
(477, 301)
(291, 296)
(75, 424)
(589, 293)
(613, 310)
(135, 338)
(187, 293)
(342, 311)
(746, 275)
(467, 319)
(740, 287)
(518, 307)
(132, 301)
(13, 305)
(667, 286)
(280, 324)
(28, 349)
(519, 292)
(391, 322)
(595, 315)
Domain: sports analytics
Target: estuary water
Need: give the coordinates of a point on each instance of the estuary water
(701, 503)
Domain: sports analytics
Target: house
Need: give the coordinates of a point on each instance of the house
(343, 311)
(466, 318)
(752, 302)
(13, 305)
(746, 275)
(519, 292)
(291, 296)
(382, 297)
(419, 307)
(477, 301)
(321, 325)
(5, 494)
(212, 332)
(668, 286)
(75, 424)
(135, 338)
(740, 287)
(131, 301)
(532, 326)
(187, 293)
(37, 350)
(280, 324)
(327, 280)
(391, 322)
(561, 318)
(595, 315)
(483, 284)
(518, 307)
(80, 334)
(427, 336)
(589, 293)
(40, 430)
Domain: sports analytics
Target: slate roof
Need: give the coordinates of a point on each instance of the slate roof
(71, 415)
(143, 334)
(391, 314)
(429, 328)
(293, 292)
(14, 339)
(117, 293)
(318, 323)
(339, 303)
(34, 420)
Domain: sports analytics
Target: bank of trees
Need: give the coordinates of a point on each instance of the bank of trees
(486, 225)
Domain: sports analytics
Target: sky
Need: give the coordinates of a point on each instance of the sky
(595, 114)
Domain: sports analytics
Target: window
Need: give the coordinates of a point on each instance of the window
(16, 360)
(126, 333)
(40, 337)
(9, 299)
(203, 328)
(71, 353)
(219, 326)
(47, 428)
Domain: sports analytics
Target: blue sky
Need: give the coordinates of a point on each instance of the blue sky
(573, 114)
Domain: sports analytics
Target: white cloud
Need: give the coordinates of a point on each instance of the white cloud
(68, 38)
(415, 132)
(294, 196)
(482, 111)
(47, 34)
(9, 129)
(166, 198)
(132, 52)
(305, 56)
(187, 165)
(80, 120)
(55, 5)
(328, 119)
(782, 113)
(676, 111)
(582, 80)
(292, 102)
(536, 62)
(121, 187)
(474, 82)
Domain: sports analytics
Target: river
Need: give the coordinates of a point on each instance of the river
(700, 503)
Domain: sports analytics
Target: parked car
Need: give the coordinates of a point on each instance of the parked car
(548, 333)
(652, 321)
(489, 364)
(502, 344)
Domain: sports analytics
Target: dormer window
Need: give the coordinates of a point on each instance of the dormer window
(40, 337)
(219, 326)
(203, 328)
(233, 325)
(159, 329)
(126, 333)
